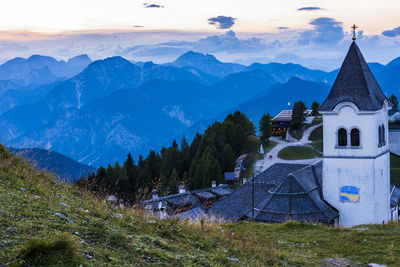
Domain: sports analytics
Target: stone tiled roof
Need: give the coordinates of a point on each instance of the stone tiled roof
(182, 200)
(233, 207)
(192, 215)
(297, 197)
(355, 83)
(205, 195)
(219, 191)
(191, 198)
(282, 192)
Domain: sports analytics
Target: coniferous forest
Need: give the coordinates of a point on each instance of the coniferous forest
(195, 165)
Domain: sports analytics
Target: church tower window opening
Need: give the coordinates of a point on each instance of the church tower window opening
(342, 137)
(380, 136)
(382, 140)
(355, 137)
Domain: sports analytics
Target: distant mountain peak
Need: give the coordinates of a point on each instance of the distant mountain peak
(206, 63)
(80, 60)
(196, 56)
(35, 57)
(111, 62)
(149, 65)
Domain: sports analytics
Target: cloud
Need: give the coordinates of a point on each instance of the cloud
(392, 33)
(309, 8)
(152, 5)
(227, 43)
(326, 31)
(222, 22)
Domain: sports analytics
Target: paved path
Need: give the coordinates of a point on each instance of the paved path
(266, 162)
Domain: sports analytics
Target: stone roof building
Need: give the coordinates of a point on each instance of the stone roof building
(187, 204)
(282, 192)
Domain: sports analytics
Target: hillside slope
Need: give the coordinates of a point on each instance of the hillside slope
(47, 223)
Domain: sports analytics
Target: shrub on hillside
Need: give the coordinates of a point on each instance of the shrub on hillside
(60, 250)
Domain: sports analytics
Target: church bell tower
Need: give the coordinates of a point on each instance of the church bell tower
(356, 164)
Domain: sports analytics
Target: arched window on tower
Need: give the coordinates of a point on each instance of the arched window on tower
(383, 135)
(355, 137)
(380, 136)
(342, 137)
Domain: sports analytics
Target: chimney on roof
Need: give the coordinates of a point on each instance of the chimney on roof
(213, 183)
(155, 193)
(182, 189)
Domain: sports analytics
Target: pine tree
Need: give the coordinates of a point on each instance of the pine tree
(100, 181)
(228, 158)
(314, 108)
(174, 182)
(395, 102)
(298, 114)
(265, 126)
(131, 172)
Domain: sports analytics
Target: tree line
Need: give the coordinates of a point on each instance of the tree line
(195, 165)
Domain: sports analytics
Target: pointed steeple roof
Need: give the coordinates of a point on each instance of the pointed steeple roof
(355, 83)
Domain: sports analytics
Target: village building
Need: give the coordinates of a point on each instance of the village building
(189, 205)
(282, 192)
(281, 122)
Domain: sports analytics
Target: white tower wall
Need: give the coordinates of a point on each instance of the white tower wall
(364, 169)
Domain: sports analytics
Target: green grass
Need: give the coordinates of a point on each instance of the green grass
(298, 134)
(316, 120)
(91, 234)
(316, 134)
(55, 251)
(268, 146)
(298, 152)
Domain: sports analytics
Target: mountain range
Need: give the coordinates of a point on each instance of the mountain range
(114, 106)
(24, 81)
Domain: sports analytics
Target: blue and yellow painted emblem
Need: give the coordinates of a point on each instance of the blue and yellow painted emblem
(349, 193)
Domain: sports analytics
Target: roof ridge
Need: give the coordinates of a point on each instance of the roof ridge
(355, 83)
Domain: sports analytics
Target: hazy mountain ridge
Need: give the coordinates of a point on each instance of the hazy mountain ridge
(282, 73)
(39, 69)
(206, 63)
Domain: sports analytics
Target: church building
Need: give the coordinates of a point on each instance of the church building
(351, 185)
(356, 164)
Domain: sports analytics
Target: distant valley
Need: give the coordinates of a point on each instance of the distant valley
(97, 112)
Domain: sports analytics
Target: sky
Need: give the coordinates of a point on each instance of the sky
(308, 31)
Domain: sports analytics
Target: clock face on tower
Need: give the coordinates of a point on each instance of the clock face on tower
(349, 193)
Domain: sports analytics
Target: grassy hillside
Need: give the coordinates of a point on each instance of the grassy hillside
(298, 152)
(95, 234)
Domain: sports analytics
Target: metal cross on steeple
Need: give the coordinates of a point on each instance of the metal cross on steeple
(354, 27)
